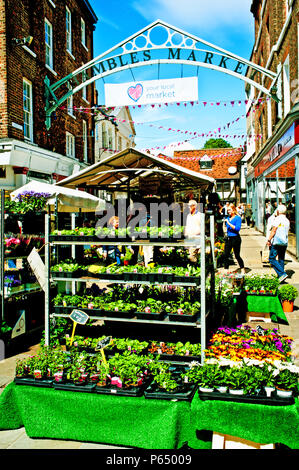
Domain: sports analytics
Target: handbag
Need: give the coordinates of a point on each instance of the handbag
(265, 254)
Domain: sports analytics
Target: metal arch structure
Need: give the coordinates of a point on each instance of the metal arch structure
(144, 49)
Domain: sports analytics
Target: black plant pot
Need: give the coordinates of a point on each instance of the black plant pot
(184, 392)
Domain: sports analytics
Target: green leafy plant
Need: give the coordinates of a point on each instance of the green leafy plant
(288, 292)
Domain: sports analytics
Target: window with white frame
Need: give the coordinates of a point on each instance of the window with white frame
(286, 86)
(84, 77)
(85, 154)
(97, 132)
(279, 91)
(269, 117)
(27, 110)
(70, 145)
(110, 139)
(68, 18)
(49, 43)
(104, 136)
(83, 32)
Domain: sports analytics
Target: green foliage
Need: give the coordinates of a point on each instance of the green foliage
(288, 292)
(216, 144)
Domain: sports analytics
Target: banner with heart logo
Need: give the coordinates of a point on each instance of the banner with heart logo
(172, 90)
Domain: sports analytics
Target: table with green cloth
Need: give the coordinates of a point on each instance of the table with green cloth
(267, 304)
(115, 420)
(143, 423)
(243, 303)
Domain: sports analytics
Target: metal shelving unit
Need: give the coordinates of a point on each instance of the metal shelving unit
(200, 324)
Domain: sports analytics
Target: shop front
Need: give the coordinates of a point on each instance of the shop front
(276, 181)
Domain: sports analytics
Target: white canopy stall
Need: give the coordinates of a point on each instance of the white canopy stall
(67, 200)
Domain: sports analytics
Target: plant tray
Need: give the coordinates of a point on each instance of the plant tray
(150, 316)
(178, 358)
(125, 392)
(67, 274)
(262, 294)
(68, 310)
(73, 238)
(73, 387)
(34, 382)
(261, 398)
(115, 314)
(164, 278)
(183, 393)
(182, 318)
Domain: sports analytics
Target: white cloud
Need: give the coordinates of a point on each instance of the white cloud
(198, 14)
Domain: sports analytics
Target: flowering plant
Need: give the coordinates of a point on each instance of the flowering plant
(28, 201)
(245, 342)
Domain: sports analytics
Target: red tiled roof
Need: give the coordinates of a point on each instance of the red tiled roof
(223, 159)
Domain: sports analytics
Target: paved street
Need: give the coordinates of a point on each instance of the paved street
(252, 243)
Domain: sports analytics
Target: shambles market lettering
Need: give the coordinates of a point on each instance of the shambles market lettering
(205, 57)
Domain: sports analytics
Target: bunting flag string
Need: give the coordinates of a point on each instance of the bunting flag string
(232, 103)
(216, 133)
(233, 152)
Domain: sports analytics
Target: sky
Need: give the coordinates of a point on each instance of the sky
(227, 24)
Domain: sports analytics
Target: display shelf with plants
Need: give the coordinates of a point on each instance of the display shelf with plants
(181, 272)
(169, 351)
(154, 274)
(152, 303)
(18, 282)
(95, 234)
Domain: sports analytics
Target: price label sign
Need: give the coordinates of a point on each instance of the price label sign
(79, 317)
(103, 343)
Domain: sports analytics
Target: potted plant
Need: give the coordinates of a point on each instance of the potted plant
(236, 379)
(288, 294)
(286, 382)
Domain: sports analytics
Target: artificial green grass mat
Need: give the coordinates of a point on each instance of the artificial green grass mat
(264, 424)
(143, 423)
(124, 421)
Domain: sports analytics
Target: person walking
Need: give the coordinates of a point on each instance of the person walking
(248, 214)
(278, 242)
(233, 241)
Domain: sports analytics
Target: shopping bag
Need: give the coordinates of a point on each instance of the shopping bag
(265, 254)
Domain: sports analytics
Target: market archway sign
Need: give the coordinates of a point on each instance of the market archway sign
(158, 43)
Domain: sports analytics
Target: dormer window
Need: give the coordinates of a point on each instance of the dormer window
(205, 163)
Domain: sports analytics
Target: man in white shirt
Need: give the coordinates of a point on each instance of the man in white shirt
(278, 242)
(192, 227)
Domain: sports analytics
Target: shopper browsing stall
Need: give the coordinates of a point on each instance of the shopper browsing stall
(192, 228)
(233, 241)
(110, 252)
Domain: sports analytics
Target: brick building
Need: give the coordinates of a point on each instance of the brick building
(222, 164)
(272, 161)
(38, 39)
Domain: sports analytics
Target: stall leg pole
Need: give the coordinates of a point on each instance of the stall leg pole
(2, 254)
(213, 267)
(47, 281)
(203, 285)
